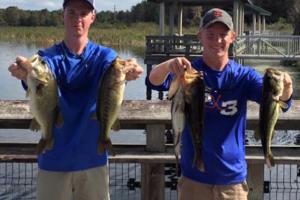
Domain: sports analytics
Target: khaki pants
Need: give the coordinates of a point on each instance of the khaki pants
(191, 190)
(90, 184)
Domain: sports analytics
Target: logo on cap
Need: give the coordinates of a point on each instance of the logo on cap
(218, 13)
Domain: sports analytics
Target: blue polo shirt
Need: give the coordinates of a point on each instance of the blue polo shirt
(223, 149)
(78, 76)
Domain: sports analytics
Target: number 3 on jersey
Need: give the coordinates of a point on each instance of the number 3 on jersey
(229, 107)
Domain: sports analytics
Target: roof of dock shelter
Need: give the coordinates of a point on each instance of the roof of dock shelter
(201, 2)
(257, 10)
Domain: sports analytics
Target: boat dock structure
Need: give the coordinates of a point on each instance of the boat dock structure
(146, 165)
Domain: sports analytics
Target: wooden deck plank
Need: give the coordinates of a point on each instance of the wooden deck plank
(136, 114)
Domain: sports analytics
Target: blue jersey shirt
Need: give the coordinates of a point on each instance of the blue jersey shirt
(78, 76)
(223, 149)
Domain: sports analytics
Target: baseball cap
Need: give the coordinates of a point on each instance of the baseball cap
(91, 2)
(217, 15)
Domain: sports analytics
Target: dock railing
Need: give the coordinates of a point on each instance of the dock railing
(287, 47)
(154, 117)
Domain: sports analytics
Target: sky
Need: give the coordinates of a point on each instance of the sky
(101, 5)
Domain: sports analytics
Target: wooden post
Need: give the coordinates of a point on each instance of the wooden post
(171, 19)
(242, 19)
(180, 10)
(153, 175)
(264, 23)
(236, 16)
(255, 181)
(253, 23)
(162, 19)
(259, 24)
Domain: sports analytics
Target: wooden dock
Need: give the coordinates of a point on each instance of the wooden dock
(154, 117)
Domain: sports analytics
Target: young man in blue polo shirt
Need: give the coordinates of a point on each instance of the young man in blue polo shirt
(73, 169)
(232, 85)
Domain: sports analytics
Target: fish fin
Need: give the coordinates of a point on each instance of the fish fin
(257, 134)
(59, 120)
(116, 125)
(40, 146)
(283, 105)
(270, 161)
(105, 145)
(34, 125)
(94, 116)
(173, 88)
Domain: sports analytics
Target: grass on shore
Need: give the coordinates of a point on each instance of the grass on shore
(112, 35)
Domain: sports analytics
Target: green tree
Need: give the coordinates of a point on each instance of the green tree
(54, 18)
(145, 11)
(279, 9)
(294, 16)
(286, 9)
(43, 15)
(12, 16)
(34, 19)
(2, 18)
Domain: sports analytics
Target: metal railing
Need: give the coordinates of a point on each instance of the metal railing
(272, 47)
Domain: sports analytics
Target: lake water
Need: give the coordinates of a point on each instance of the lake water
(10, 88)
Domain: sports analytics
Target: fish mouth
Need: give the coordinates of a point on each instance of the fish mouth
(273, 73)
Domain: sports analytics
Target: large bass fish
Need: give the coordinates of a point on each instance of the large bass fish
(188, 97)
(194, 111)
(43, 100)
(109, 100)
(270, 106)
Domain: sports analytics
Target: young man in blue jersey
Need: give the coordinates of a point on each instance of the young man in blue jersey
(73, 169)
(232, 85)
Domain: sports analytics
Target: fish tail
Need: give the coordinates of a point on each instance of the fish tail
(41, 146)
(49, 143)
(177, 143)
(198, 163)
(34, 125)
(257, 134)
(177, 151)
(270, 160)
(105, 145)
(177, 163)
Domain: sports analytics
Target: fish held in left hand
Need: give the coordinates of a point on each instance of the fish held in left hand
(43, 100)
(109, 101)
